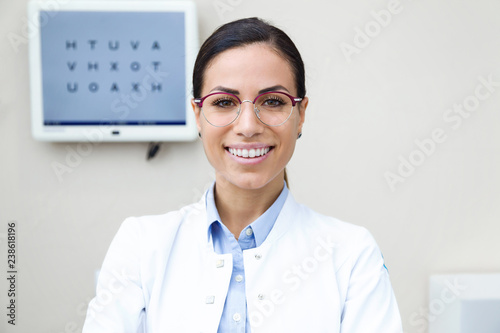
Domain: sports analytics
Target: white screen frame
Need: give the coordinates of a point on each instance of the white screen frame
(41, 132)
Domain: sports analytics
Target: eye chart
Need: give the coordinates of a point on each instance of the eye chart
(116, 68)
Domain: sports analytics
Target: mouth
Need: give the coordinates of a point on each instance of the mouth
(249, 153)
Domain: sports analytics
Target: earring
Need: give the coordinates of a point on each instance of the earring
(199, 134)
(300, 134)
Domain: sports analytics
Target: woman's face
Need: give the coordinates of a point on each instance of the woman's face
(247, 71)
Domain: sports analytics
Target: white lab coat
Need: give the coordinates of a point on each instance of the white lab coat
(312, 274)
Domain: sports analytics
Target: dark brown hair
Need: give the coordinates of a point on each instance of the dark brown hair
(245, 32)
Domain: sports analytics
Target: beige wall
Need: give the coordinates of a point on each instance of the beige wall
(364, 113)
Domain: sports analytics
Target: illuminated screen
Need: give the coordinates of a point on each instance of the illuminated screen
(115, 68)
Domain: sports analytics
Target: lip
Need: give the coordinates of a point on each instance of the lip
(248, 146)
(246, 160)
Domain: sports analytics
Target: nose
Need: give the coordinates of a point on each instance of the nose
(247, 123)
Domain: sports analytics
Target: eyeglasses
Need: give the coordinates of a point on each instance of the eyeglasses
(272, 108)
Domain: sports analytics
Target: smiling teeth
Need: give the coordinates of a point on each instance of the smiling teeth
(249, 153)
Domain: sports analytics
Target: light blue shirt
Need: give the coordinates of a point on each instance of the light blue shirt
(234, 316)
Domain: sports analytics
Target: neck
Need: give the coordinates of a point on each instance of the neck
(238, 207)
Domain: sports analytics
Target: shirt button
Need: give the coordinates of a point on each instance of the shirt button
(249, 232)
(238, 278)
(236, 317)
(258, 256)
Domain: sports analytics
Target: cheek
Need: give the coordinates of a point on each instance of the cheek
(292, 130)
(210, 137)
(288, 140)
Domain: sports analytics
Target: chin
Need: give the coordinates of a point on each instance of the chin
(249, 181)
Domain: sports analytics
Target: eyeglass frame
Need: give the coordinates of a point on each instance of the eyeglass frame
(199, 103)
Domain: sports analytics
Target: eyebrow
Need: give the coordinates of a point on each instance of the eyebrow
(236, 92)
(273, 88)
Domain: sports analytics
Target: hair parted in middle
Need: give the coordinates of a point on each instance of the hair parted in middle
(245, 32)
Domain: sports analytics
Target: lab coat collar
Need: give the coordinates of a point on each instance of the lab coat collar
(260, 227)
(287, 218)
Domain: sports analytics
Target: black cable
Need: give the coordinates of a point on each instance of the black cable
(153, 149)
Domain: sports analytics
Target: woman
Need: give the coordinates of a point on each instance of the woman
(247, 257)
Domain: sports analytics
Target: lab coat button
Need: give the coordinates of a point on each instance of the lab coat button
(219, 263)
(258, 256)
(239, 278)
(210, 300)
(249, 232)
(261, 296)
(236, 317)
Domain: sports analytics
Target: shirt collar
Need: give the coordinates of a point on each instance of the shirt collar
(260, 227)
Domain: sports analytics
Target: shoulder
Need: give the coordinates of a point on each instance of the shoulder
(310, 220)
(153, 230)
(168, 221)
(350, 242)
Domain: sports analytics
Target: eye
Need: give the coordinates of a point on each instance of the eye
(273, 101)
(224, 102)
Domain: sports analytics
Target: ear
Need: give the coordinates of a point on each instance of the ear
(196, 111)
(302, 113)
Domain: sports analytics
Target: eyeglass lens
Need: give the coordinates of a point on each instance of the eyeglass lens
(272, 108)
